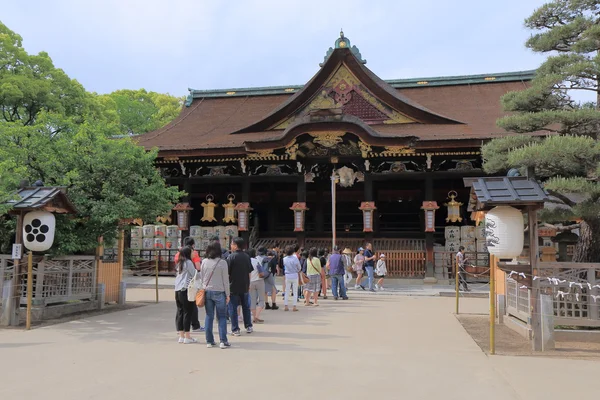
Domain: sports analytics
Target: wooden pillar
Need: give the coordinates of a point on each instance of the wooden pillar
(245, 199)
(187, 188)
(368, 196)
(534, 292)
(301, 197)
(429, 236)
(272, 212)
(319, 210)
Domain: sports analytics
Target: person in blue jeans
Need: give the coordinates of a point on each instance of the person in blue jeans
(335, 265)
(370, 264)
(240, 268)
(215, 281)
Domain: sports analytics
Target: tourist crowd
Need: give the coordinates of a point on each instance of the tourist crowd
(236, 286)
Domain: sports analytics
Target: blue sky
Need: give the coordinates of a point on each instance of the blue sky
(168, 46)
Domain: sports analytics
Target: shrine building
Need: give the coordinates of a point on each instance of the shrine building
(397, 150)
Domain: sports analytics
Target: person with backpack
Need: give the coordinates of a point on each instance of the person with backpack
(257, 287)
(380, 271)
(336, 271)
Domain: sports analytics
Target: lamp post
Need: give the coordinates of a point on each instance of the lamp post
(334, 180)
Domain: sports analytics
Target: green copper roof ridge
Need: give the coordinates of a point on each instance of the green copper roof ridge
(396, 83)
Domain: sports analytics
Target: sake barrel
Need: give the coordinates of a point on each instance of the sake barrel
(452, 245)
(172, 243)
(469, 245)
(136, 243)
(148, 243)
(467, 232)
(452, 232)
(172, 231)
(480, 232)
(195, 230)
(219, 231)
(160, 231)
(136, 232)
(206, 232)
(160, 243)
(231, 231)
(148, 231)
(481, 246)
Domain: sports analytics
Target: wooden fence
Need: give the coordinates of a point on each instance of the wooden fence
(55, 280)
(575, 289)
(405, 263)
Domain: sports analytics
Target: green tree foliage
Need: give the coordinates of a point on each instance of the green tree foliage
(568, 157)
(52, 130)
(140, 111)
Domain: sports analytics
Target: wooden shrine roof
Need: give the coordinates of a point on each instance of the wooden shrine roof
(437, 112)
(47, 198)
(488, 192)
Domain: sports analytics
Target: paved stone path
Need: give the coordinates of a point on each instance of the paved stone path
(387, 347)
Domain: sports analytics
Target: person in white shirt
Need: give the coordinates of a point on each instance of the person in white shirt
(380, 271)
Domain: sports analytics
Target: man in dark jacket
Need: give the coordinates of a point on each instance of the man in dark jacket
(335, 265)
(240, 268)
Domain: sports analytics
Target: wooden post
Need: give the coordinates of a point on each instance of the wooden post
(245, 199)
(301, 197)
(429, 239)
(29, 288)
(492, 305)
(534, 293)
(16, 281)
(457, 288)
(333, 210)
(156, 277)
(368, 196)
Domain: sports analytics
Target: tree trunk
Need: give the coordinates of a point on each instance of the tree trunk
(588, 246)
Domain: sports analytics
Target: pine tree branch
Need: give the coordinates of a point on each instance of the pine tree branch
(563, 198)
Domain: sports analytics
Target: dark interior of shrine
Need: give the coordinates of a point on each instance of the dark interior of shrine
(398, 200)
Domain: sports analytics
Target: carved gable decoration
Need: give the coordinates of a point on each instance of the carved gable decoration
(343, 91)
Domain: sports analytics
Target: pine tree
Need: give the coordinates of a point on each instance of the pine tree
(560, 134)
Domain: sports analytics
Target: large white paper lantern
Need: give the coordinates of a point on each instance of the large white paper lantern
(504, 232)
(38, 230)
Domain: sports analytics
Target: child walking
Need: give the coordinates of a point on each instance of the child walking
(380, 271)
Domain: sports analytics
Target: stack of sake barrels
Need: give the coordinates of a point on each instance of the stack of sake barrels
(483, 256)
(136, 241)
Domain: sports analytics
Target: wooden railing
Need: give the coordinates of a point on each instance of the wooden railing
(55, 280)
(405, 263)
(575, 292)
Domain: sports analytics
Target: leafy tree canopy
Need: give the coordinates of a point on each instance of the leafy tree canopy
(140, 111)
(52, 130)
(568, 156)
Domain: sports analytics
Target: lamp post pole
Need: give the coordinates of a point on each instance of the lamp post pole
(333, 209)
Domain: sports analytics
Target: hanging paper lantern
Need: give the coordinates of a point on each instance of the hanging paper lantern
(209, 209)
(38, 230)
(243, 210)
(504, 232)
(367, 207)
(299, 209)
(429, 208)
(229, 210)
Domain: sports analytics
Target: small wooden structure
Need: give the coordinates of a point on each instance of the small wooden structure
(36, 198)
(526, 194)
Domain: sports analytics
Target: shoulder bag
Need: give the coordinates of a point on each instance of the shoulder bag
(192, 289)
(201, 294)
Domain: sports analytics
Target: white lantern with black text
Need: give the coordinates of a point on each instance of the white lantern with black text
(38, 230)
(504, 232)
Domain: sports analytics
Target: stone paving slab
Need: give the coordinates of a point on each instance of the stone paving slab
(390, 347)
